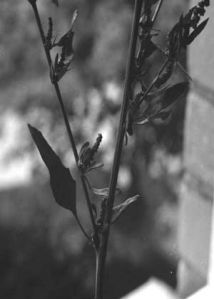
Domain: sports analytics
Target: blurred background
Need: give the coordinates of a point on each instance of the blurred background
(43, 254)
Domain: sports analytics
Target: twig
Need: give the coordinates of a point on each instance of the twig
(65, 117)
(177, 63)
(82, 228)
(101, 253)
(153, 81)
(157, 9)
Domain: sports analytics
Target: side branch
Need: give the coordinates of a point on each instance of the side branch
(65, 117)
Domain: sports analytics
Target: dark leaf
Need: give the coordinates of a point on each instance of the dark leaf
(163, 115)
(166, 74)
(119, 209)
(83, 148)
(62, 184)
(173, 93)
(150, 49)
(196, 32)
(66, 40)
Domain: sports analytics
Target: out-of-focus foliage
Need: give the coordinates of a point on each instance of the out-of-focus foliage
(42, 252)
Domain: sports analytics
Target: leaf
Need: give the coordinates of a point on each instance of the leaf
(150, 49)
(119, 209)
(141, 122)
(62, 184)
(95, 166)
(104, 192)
(83, 148)
(196, 32)
(163, 115)
(66, 40)
(74, 17)
(173, 93)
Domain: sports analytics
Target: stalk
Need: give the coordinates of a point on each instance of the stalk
(102, 251)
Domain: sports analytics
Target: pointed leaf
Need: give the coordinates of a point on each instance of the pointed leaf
(196, 32)
(62, 184)
(119, 209)
(74, 17)
(83, 148)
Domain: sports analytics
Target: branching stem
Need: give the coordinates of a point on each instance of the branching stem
(65, 117)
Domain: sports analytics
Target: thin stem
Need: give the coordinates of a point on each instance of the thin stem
(101, 255)
(98, 291)
(157, 9)
(153, 81)
(65, 117)
(82, 228)
(84, 184)
(177, 62)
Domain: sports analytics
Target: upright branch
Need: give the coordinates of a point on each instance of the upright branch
(101, 255)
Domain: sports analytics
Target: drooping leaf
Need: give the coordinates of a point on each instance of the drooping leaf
(62, 184)
(119, 209)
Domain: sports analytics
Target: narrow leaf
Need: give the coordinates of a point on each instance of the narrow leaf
(95, 166)
(119, 209)
(141, 122)
(74, 17)
(83, 148)
(62, 184)
(104, 192)
(196, 32)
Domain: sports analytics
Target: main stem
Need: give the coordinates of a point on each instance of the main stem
(65, 117)
(102, 252)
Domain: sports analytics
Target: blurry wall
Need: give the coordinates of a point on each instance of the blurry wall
(196, 197)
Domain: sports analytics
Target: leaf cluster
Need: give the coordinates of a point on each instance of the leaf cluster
(154, 102)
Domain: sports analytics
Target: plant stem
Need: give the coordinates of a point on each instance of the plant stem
(157, 9)
(153, 81)
(101, 254)
(65, 117)
(82, 228)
